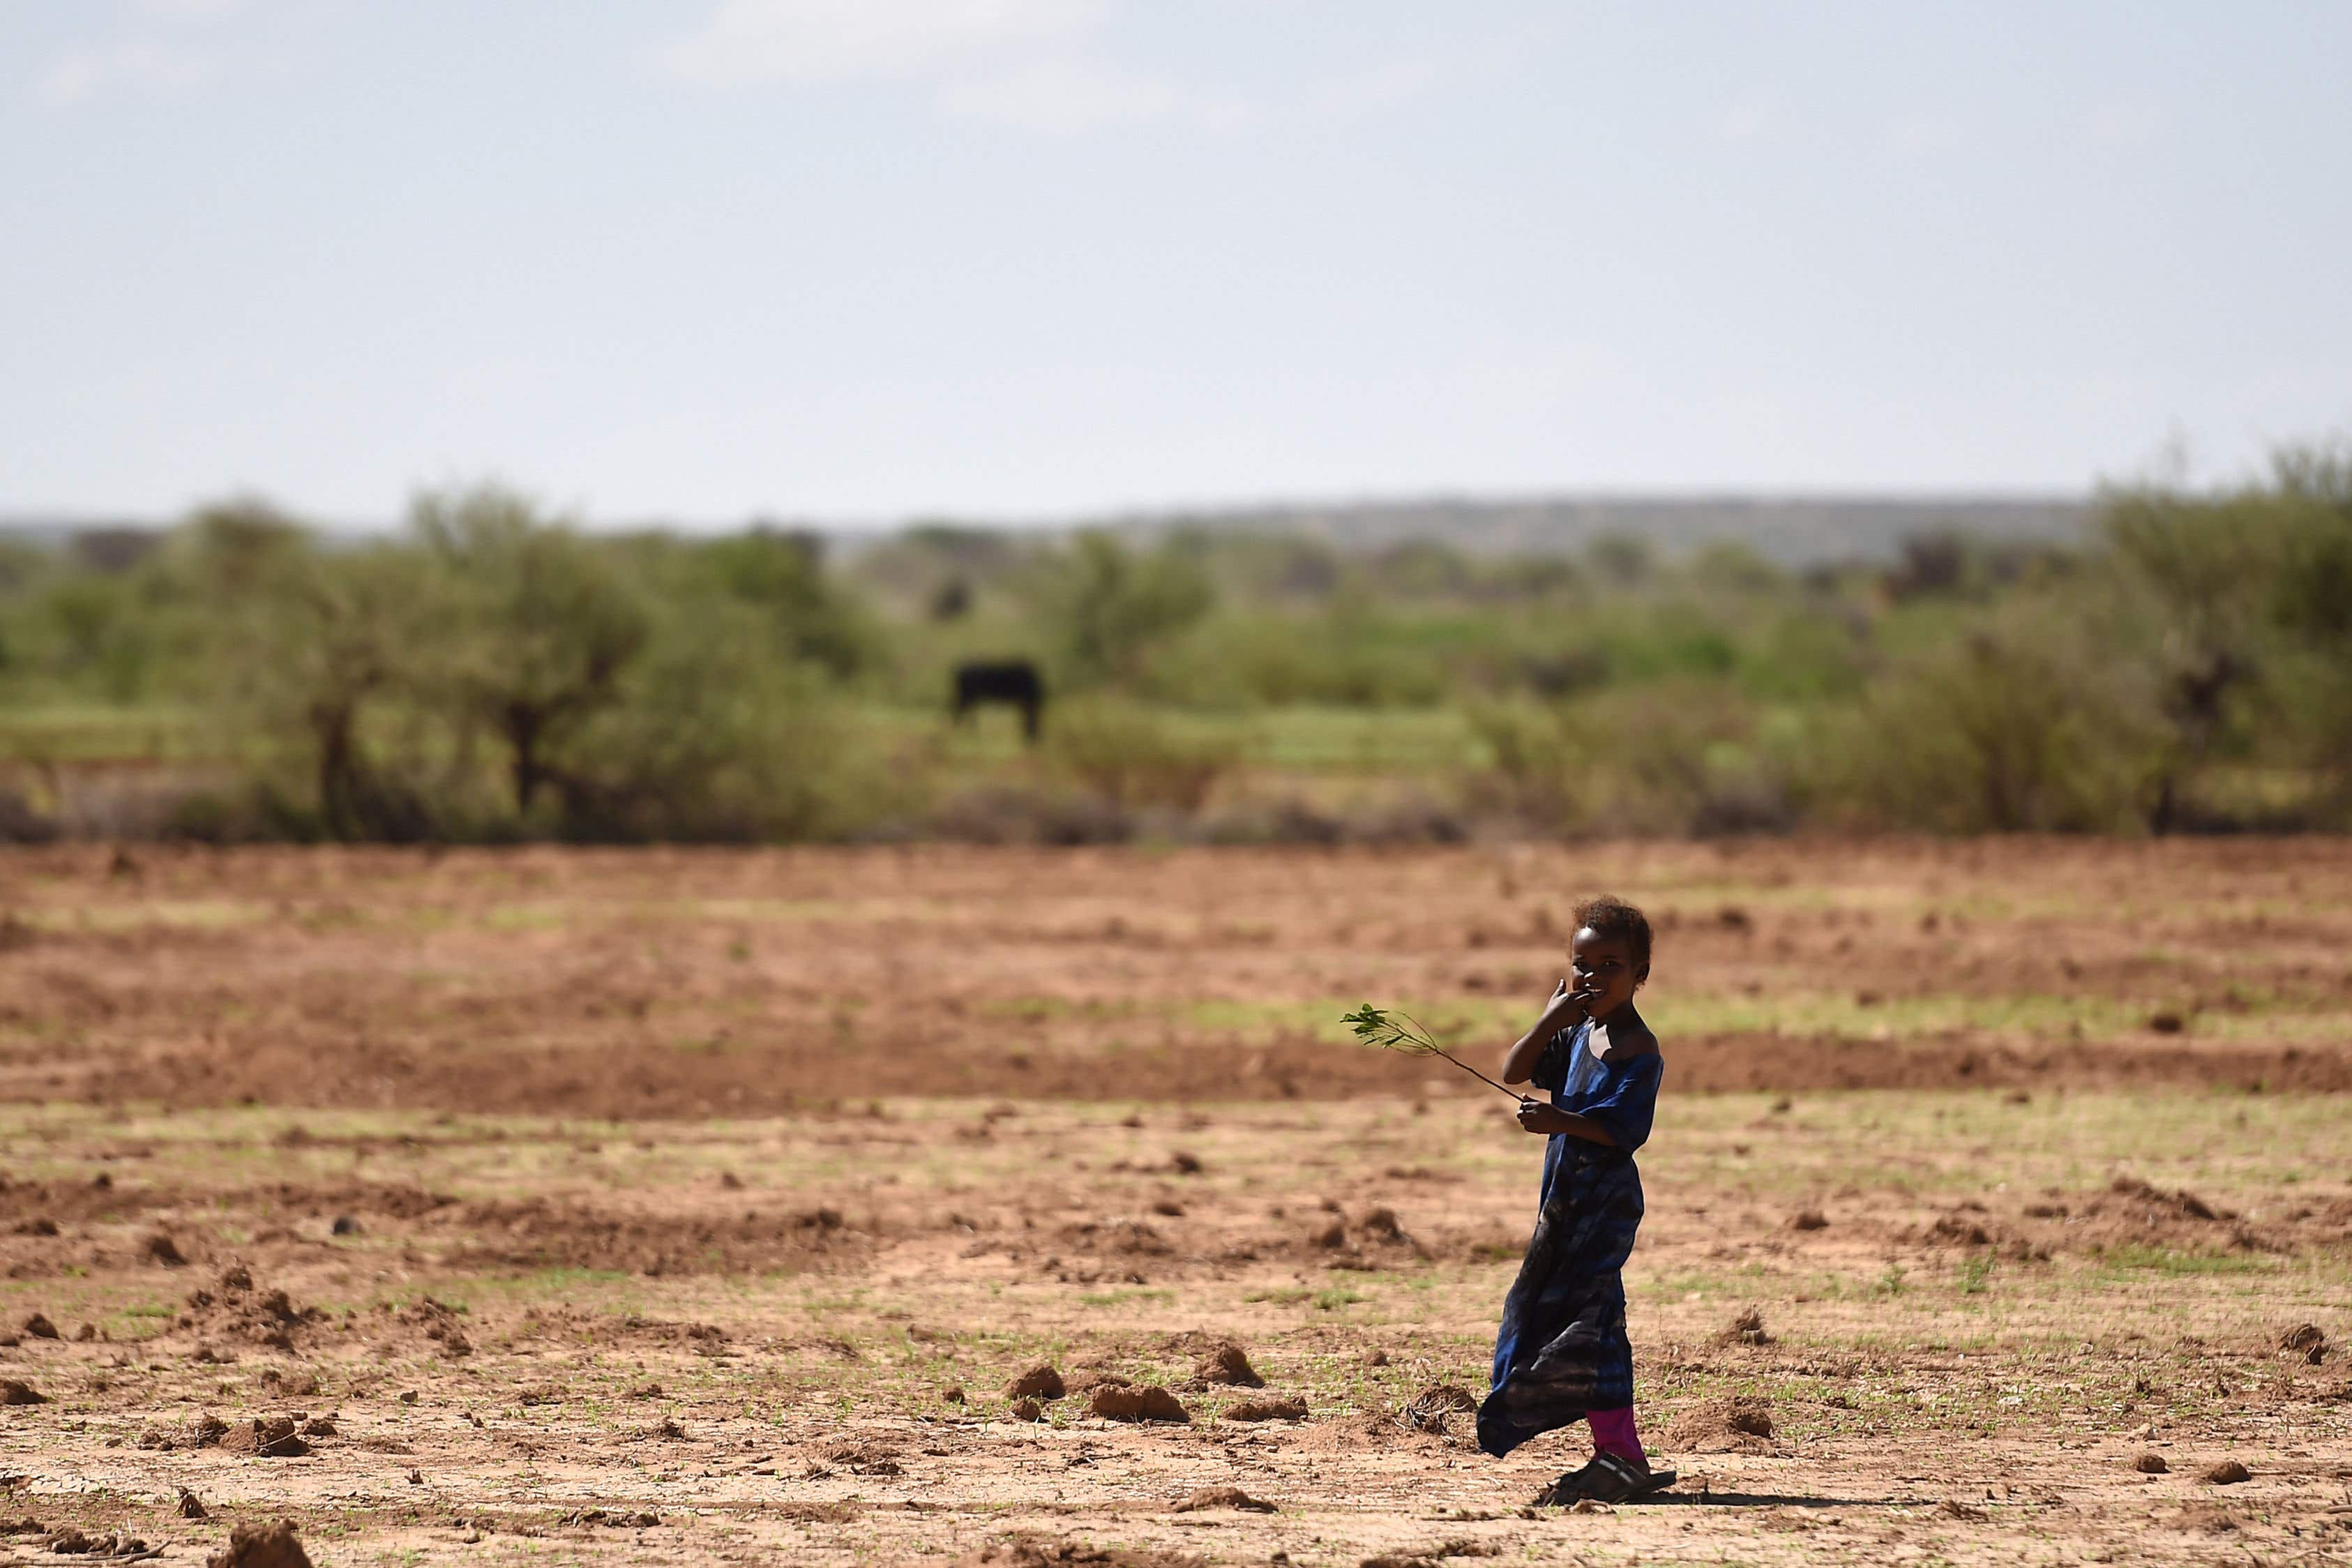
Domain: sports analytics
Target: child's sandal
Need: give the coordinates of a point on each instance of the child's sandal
(1569, 1488)
(1606, 1478)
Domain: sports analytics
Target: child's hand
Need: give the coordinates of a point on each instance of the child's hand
(1535, 1116)
(1566, 1009)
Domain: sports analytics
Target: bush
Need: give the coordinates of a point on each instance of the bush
(1133, 758)
(1114, 604)
(712, 739)
(1674, 757)
(2031, 721)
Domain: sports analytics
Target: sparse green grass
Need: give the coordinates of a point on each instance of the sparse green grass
(1125, 1298)
(2123, 1261)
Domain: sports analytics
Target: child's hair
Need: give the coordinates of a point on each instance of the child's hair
(1609, 915)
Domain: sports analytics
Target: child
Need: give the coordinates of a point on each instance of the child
(1561, 1354)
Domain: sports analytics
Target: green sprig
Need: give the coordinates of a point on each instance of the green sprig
(1399, 1031)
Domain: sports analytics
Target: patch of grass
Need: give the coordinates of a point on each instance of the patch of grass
(2134, 1258)
(1123, 1297)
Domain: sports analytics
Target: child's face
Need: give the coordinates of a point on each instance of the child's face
(1605, 976)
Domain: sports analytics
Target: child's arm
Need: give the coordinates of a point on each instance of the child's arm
(1535, 1116)
(1565, 1011)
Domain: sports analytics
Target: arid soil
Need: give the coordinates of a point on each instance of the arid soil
(678, 1208)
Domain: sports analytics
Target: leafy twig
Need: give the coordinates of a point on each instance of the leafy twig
(1402, 1032)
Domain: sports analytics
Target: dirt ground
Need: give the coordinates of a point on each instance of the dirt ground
(563, 1206)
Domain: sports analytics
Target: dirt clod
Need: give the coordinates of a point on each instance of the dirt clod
(438, 1323)
(1228, 1363)
(191, 1506)
(1738, 1423)
(266, 1437)
(1040, 1381)
(1027, 1410)
(2225, 1473)
(261, 1546)
(1747, 1329)
(1809, 1219)
(12, 1392)
(2151, 1463)
(234, 1310)
(161, 1248)
(2153, 1203)
(1267, 1410)
(1029, 1551)
(38, 1327)
(1224, 1497)
(1145, 1402)
(2307, 1340)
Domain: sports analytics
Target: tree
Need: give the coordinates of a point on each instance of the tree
(340, 635)
(781, 577)
(2253, 590)
(544, 628)
(713, 737)
(1113, 604)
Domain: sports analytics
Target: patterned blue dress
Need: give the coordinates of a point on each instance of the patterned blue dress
(1562, 1351)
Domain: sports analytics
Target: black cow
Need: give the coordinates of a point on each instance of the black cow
(1012, 680)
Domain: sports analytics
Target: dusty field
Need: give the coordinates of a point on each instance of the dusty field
(689, 1207)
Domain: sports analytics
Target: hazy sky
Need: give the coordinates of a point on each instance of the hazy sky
(858, 258)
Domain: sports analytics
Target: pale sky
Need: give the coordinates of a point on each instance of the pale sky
(856, 259)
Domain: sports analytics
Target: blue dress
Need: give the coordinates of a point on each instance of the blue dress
(1562, 1351)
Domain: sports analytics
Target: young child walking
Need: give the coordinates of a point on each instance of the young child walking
(1561, 1356)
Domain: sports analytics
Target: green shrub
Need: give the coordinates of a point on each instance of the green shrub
(1134, 757)
(2032, 721)
(1113, 605)
(711, 737)
(1672, 757)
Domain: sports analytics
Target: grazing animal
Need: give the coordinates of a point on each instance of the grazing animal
(1013, 681)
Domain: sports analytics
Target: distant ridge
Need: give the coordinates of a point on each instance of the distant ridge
(1794, 529)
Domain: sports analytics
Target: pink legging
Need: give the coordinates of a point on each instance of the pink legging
(1612, 1433)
